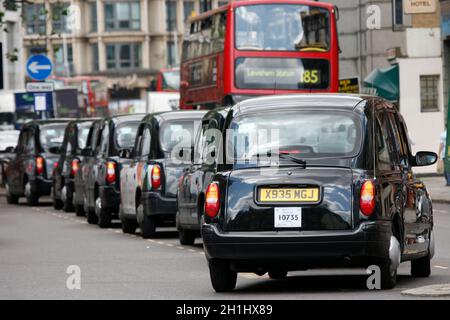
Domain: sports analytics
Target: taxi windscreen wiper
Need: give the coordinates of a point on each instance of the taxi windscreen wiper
(284, 155)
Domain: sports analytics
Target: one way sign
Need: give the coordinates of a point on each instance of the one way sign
(39, 67)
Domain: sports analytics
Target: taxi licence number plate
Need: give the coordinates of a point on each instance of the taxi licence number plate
(273, 195)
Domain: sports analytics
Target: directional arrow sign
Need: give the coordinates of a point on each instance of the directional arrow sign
(39, 67)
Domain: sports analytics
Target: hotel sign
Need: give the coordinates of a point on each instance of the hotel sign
(419, 6)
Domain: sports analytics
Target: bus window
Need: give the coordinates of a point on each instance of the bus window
(282, 27)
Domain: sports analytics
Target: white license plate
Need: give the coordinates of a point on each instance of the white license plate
(288, 217)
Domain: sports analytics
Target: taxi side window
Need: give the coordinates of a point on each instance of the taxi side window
(104, 141)
(199, 144)
(209, 152)
(400, 143)
(30, 142)
(22, 142)
(383, 152)
(146, 141)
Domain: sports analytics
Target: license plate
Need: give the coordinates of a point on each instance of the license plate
(289, 195)
(288, 217)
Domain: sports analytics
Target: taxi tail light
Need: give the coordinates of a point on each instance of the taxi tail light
(212, 200)
(156, 177)
(367, 198)
(110, 172)
(40, 165)
(74, 167)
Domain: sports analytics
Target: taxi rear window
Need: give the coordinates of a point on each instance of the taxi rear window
(303, 134)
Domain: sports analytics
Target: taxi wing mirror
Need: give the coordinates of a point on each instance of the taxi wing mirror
(425, 158)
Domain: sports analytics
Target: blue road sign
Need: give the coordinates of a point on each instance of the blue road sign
(39, 67)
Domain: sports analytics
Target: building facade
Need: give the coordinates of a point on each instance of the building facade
(445, 34)
(12, 66)
(127, 41)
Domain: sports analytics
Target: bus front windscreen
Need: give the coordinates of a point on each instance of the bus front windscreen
(282, 27)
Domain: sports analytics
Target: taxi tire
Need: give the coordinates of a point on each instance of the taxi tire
(68, 205)
(421, 268)
(223, 279)
(79, 210)
(91, 217)
(129, 226)
(103, 214)
(32, 198)
(277, 275)
(57, 204)
(10, 198)
(148, 227)
(186, 237)
(388, 277)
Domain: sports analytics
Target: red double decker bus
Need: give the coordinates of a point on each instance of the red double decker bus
(259, 47)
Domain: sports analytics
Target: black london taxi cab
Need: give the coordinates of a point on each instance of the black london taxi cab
(309, 181)
(30, 171)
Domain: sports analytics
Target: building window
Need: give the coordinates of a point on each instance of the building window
(59, 18)
(205, 5)
(429, 93)
(61, 69)
(93, 11)
(188, 9)
(171, 15)
(123, 56)
(223, 3)
(35, 18)
(397, 14)
(34, 50)
(95, 57)
(171, 54)
(123, 15)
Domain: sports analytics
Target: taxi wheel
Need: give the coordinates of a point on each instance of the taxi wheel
(91, 217)
(223, 279)
(148, 227)
(32, 199)
(79, 210)
(277, 275)
(147, 223)
(68, 205)
(388, 275)
(421, 267)
(10, 198)
(57, 204)
(129, 226)
(103, 214)
(187, 237)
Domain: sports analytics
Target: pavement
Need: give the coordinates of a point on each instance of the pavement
(38, 246)
(439, 192)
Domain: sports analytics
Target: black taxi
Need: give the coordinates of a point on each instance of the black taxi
(30, 171)
(314, 181)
